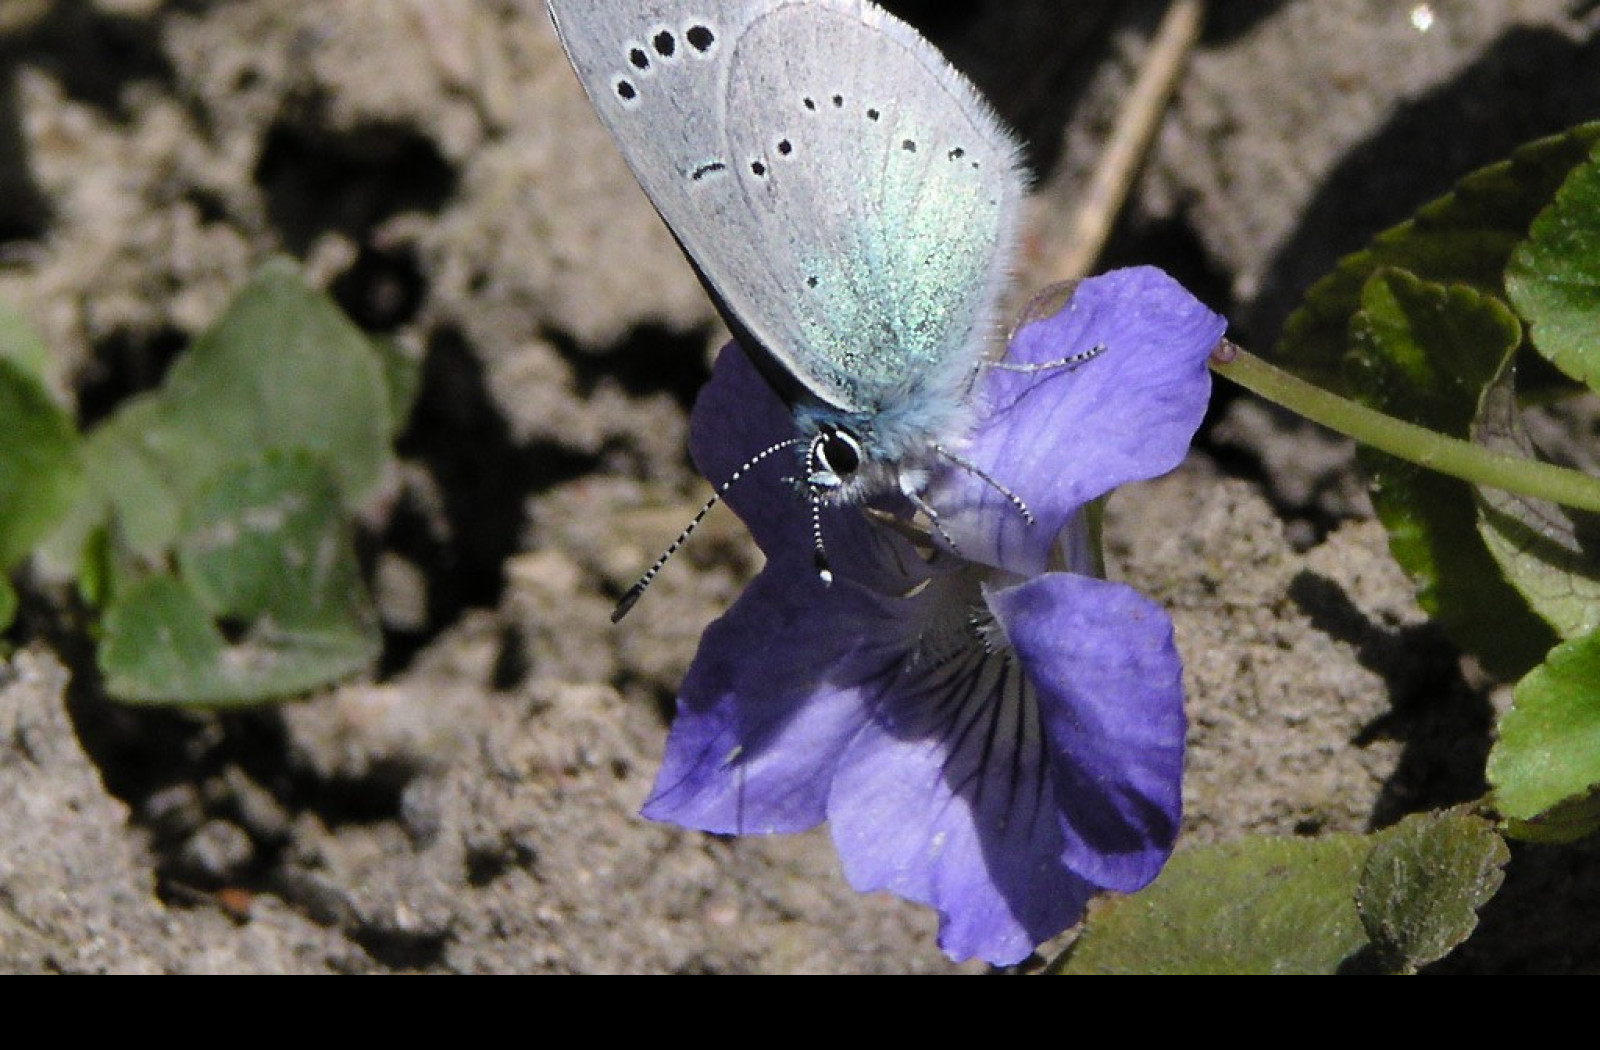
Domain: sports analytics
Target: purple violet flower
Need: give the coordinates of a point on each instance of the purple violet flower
(994, 733)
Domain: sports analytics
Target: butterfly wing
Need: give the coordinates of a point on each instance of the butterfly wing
(844, 192)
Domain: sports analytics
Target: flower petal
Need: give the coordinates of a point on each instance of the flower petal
(945, 798)
(1110, 688)
(1064, 436)
(773, 696)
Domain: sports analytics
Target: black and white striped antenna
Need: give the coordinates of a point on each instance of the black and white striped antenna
(634, 593)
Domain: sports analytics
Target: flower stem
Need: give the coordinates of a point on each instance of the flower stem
(1419, 445)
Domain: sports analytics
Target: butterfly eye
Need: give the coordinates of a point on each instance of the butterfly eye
(839, 451)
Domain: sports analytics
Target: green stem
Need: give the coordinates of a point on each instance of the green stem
(1419, 445)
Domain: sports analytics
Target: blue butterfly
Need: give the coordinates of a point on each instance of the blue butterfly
(845, 195)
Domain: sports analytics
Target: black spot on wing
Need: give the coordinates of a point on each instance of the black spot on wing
(701, 38)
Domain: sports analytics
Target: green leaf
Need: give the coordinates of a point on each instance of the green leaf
(20, 344)
(1256, 905)
(282, 368)
(265, 554)
(1423, 884)
(1302, 906)
(41, 473)
(1545, 766)
(402, 377)
(1554, 277)
(130, 481)
(1546, 551)
(160, 645)
(1425, 353)
(1464, 237)
(269, 538)
(8, 607)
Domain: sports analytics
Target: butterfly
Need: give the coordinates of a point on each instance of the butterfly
(846, 197)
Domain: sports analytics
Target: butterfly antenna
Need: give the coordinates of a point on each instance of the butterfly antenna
(823, 570)
(978, 472)
(630, 599)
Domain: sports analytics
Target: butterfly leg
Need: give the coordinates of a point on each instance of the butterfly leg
(983, 475)
(1046, 366)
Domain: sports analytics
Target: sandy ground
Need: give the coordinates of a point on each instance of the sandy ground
(471, 805)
